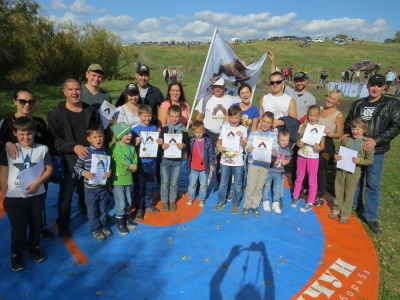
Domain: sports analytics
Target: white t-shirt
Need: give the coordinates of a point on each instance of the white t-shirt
(125, 115)
(26, 160)
(214, 111)
(279, 105)
(234, 158)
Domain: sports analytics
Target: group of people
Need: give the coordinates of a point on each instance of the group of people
(151, 141)
(174, 75)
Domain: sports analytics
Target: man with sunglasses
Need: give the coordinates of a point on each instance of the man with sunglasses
(383, 116)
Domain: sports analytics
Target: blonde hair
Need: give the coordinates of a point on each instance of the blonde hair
(304, 125)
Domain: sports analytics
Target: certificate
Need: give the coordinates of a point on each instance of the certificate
(100, 165)
(346, 163)
(27, 176)
(262, 149)
(148, 145)
(172, 140)
(230, 139)
(313, 134)
(106, 111)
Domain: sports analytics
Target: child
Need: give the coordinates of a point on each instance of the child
(147, 166)
(24, 201)
(124, 162)
(258, 170)
(171, 167)
(276, 174)
(346, 182)
(95, 193)
(232, 162)
(201, 157)
(308, 159)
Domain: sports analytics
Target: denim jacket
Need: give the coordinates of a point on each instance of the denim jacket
(209, 154)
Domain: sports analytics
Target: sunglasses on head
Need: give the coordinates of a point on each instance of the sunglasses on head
(24, 102)
(275, 82)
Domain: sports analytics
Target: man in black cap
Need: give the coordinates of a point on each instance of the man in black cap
(149, 94)
(383, 116)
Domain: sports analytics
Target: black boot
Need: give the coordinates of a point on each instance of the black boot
(121, 225)
(129, 222)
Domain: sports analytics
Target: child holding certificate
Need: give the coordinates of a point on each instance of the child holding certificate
(346, 182)
(308, 160)
(124, 162)
(146, 139)
(231, 141)
(95, 168)
(175, 139)
(200, 162)
(276, 174)
(23, 192)
(263, 142)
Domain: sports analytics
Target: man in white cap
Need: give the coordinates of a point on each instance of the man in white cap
(92, 93)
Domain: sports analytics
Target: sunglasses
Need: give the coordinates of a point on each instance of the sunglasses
(275, 82)
(24, 102)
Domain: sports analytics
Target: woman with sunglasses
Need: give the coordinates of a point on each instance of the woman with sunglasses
(25, 103)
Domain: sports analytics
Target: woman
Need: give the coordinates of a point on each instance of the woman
(25, 103)
(333, 121)
(128, 113)
(175, 96)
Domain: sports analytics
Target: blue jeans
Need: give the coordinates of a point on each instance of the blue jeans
(147, 179)
(237, 172)
(166, 80)
(193, 177)
(373, 174)
(276, 180)
(96, 201)
(123, 199)
(170, 171)
(67, 188)
(322, 82)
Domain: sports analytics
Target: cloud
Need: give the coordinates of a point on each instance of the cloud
(58, 4)
(77, 7)
(67, 17)
(149, 25)
(118, 23)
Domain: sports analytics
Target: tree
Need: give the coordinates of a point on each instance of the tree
(342, 36)
(397, 37)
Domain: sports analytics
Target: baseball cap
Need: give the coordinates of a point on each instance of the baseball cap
(300, 75)
(120, 129)
(377, 78)
(95, 67)
(219, 82)
(143, 69)
(130, 87)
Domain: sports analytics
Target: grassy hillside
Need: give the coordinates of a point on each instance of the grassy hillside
(319, 55)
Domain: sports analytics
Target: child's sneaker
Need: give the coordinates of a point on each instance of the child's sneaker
(319, 201)
(139, 215)
(266, 206)
(99, 235)
(307, 207)
(333, 214)
(165, 206)
(230, 197)
(189, 202)
(245, 212)
(37, 255)
(106, 232)
(343, 219)
(172, 205)
(152, 209)
(17, 262)
(276, 208)
(235, 209)
(201, 203)
(256, 212)
(219, 206)
(294, 203)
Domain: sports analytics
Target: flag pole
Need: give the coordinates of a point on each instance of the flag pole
(202, 75)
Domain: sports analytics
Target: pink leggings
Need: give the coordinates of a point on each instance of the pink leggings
(311, 165)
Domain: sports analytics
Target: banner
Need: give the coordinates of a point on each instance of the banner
(351, 89)
(222, 62)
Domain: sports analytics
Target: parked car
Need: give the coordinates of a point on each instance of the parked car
(362, 65)
(304, 44)
(341, 42)
(307, 39)
(318, 40)
(274, 38)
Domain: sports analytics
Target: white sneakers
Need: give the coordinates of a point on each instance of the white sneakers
(266, 206)
(276, 208)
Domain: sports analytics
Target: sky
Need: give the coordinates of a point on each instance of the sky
(187, 20)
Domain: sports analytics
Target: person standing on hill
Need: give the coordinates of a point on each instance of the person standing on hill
(390, 77)
(166, 75)
(383, 116)
(322, 78)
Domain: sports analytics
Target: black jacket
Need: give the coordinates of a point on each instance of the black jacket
(384, 125)
(61, 130)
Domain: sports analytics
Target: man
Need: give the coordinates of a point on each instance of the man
(67, 123)
(291, 73)
(390, 77)
(92, 93)
(149, 94)
(322, 78)
(383, 116)
(166, 75)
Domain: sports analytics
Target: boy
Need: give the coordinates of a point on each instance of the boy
(258, 170)
(171, 167)
(147, 166)
(124, 162)
(201, 157)
(231, 161)
(23, 199)
(276, 174)
(95, 192)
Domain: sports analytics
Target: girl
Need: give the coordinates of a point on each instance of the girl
(308, 159)
(346, 182)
